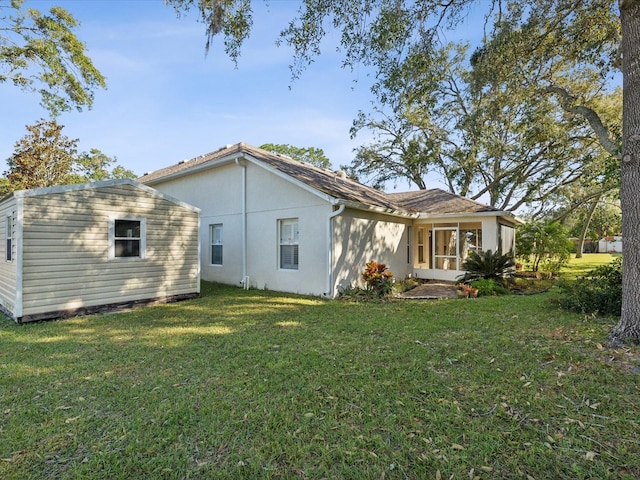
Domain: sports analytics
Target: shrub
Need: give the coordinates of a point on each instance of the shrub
(599, 291)
(378, 278)
(352, 293)
(487, 265)
(409, 283)
(545, 246)
(488, 287)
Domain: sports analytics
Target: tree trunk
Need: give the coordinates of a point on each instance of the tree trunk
(585, 227)
(628, 329)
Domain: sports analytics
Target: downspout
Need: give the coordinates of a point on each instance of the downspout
(332, 215)
(245, 279)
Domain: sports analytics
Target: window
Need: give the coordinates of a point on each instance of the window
(289, 237)
(127, 238)
(9, 239)
(216, 244)
(421, 245)
(409, 234)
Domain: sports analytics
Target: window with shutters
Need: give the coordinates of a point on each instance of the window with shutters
(289, 238)
(216, 244)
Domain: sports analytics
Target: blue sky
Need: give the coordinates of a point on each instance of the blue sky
(166, 101)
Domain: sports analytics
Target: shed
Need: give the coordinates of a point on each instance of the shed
(611, 244)
(76, 249)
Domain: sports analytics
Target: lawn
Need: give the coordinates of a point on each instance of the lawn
(256, 384)
(580, 266)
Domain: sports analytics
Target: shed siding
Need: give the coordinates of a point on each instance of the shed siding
(8, 270)
(66, 249)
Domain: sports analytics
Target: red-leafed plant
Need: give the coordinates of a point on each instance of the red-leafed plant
(378, 278)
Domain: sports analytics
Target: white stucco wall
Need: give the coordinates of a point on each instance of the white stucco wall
(218, 192)
(361, 237)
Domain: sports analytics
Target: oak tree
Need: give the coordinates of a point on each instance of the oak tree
(39, 52)
(583, 37)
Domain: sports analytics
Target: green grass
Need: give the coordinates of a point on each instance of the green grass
(580, 266)
(255, 384)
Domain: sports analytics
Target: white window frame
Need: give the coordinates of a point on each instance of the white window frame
(285, 240)
(142, 239)
(8, 239)
(216, 242)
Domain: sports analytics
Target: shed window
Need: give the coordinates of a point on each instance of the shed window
(216, 244)
(289, 239)
(127, 237)
(9, 239)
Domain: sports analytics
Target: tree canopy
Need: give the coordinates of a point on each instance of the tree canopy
(542, 45)
(45, 157)
(40, 52)
(312, 155)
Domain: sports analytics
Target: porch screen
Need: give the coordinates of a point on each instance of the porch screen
(446, 249)
(507, 239)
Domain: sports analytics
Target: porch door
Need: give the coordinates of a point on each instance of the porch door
(445, 248)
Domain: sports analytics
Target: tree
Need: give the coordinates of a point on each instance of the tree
(93, 166)
(311, 155)
(562, 33)
(629, 326)
(41, 53)
(501, 144)
(545, 246)
(42, 158)
(45, 157)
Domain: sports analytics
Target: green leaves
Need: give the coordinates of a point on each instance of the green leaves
(487, 265)
(312, 155)
(44, 157)
(41, 53)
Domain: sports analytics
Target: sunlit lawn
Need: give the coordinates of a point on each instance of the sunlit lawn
(580, 266)
(255, 384)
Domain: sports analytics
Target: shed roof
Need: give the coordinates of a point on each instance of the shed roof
(36, 192)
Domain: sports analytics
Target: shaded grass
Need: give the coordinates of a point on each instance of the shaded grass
(253, 384)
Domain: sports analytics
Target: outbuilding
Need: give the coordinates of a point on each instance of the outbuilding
(75, 249)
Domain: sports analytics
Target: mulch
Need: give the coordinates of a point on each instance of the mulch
(431, 291)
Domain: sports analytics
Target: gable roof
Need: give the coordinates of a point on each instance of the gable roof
(334, 184)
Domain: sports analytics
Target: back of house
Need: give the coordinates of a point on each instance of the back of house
(269, 221)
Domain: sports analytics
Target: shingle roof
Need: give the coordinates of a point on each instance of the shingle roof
(437, 201)
(331, 183)
(325, 181)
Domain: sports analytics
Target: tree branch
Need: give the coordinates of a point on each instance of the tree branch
(567, 102)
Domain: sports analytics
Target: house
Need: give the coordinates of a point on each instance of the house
(271, 222)
(80, 248)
